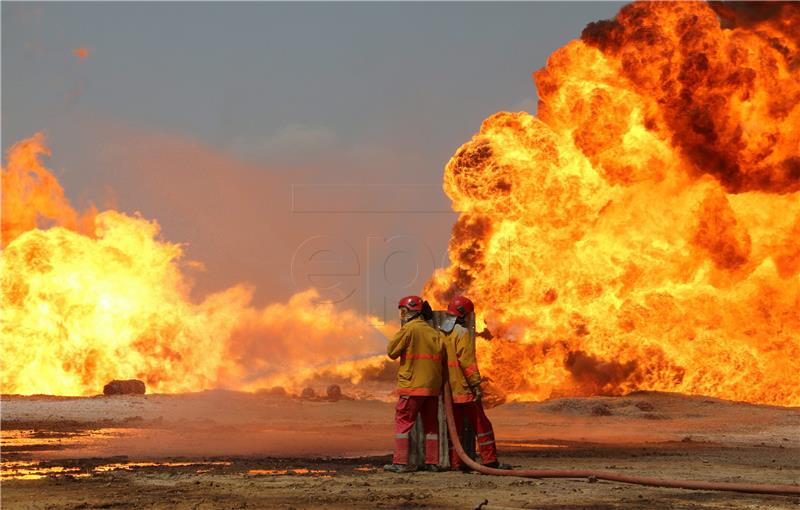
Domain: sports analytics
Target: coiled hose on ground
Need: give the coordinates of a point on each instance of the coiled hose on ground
(783, 490)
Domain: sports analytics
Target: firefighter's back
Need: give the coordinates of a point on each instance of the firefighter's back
(421, 365)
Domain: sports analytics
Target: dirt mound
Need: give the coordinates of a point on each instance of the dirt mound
(606, 406)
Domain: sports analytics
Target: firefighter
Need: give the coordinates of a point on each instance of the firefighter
(465, 383)
(419, 382)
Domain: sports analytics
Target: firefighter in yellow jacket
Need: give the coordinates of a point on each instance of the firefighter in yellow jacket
(465, 383)
(419, 382)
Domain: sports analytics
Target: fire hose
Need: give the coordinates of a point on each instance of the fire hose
(782, 490)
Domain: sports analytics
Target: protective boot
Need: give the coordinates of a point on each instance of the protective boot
(399, 468)
(497, 465)
(435, 468)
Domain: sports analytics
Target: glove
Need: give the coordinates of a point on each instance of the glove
(477, 392)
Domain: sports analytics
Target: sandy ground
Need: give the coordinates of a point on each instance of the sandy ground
(235, 450)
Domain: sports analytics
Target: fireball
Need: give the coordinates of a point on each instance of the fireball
(90, 297)
(642, 232)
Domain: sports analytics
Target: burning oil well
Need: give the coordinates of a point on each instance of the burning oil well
(89, 297)
(640, 232)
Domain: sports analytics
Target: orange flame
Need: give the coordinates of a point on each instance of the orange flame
(643, 231)
(82, 52)
(98, 296)
(32, 195)
(640, 233)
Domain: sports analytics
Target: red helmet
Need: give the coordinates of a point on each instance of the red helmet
(412, 303)
(460, 306)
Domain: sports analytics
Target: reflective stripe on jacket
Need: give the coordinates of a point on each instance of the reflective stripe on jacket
(462, 364)
(418, 346)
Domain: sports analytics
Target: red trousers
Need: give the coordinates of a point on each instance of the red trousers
(483, 431)
(408, 407)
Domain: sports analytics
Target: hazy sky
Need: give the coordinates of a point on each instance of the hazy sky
(265, 134)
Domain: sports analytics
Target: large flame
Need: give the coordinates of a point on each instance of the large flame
(643, 231)
(99, 296)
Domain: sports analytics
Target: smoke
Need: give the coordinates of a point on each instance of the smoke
(301, 334)
(372, 378)
(751, 14)
(262, 225)
(701, 90)
(596, 376)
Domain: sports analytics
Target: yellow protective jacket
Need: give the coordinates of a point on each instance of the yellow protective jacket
(418, 346)
(462, 364)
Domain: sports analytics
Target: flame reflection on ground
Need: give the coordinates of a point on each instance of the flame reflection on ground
(32, 470)
(325, 473)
